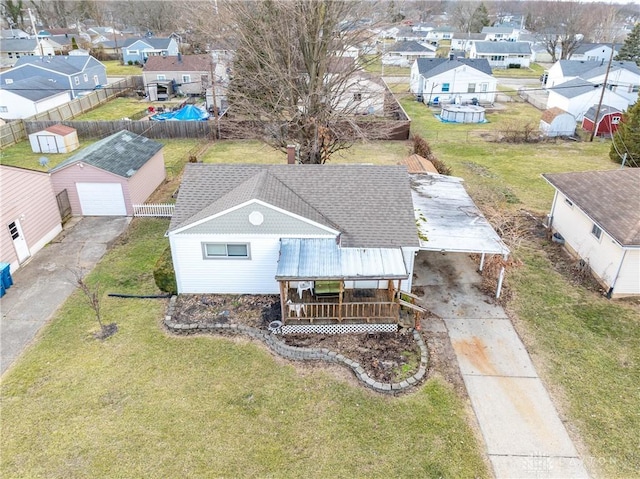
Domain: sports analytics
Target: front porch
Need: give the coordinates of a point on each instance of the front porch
(350, 306)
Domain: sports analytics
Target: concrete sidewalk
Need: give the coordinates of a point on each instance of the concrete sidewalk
(43, 284)
(523, 433)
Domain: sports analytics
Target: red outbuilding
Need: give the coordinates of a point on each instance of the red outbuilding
(608, 120)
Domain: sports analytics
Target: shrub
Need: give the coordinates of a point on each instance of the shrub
(130, 62)
(421, 147)
(163, 273)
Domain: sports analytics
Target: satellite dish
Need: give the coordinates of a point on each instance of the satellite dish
(44, 161)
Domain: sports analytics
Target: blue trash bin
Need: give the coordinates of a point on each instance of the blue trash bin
(5, 277)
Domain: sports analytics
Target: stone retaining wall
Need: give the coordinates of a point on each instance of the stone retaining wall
(302, 354)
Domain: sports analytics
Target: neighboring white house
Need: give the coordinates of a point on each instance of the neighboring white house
(503, 54)
(495, 34)
(593, 212)
(11, 49)
(577, 96)
(440, 33)
(450, 79)
(463, 41)
(623, 78)
(405, 53)
(593, 52)
(25, 98)
(230, 220)
(362, 94)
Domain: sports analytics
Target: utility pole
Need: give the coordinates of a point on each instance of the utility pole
(606, 77)
(213, 92)
(33, 25)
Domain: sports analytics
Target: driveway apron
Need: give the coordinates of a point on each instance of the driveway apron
(523, 433)
(43, 284)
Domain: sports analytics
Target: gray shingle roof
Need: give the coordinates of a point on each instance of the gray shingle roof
(501, 29)
(122, 154)
(609, 198)
(65, 64)
(370, 205)
(18, 44)
(34, 89)
(517, 48)
(429, 67)
(157, 43)
(573, 68)
(410, 46)
(574, 88)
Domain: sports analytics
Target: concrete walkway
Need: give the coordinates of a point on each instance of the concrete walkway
(43, 284)
(523, 434)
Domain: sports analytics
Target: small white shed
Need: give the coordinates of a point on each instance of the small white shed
(54, 139)
(557, 122)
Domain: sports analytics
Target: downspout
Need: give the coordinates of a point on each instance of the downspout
(615, 279)
(553, 208)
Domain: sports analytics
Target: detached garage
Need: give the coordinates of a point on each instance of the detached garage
(110, 176)
(55, 139)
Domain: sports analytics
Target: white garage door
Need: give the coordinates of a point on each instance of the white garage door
(101, 199)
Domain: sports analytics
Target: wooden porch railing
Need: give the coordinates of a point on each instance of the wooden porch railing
(362, 311)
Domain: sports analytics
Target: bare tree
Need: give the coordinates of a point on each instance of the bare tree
(93, 299)
(607, 24)
(291, 76)
(561, 25)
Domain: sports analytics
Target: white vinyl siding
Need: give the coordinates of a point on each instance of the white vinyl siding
(194, 274)
(603, 255)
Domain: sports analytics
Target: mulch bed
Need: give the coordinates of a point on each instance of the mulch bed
(386, 357)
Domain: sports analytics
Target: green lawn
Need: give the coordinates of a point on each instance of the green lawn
(534, 71)
(115, 68)
(116, 109)
(147, 404)
(175, 154)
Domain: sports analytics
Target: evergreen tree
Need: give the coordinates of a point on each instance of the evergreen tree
(74, 43)
(626, 141)
(480, 19)
(630, 50)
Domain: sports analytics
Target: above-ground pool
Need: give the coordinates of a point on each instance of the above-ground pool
(462, 114)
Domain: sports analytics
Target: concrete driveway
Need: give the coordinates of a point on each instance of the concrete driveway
(523, 433)
(43, 284)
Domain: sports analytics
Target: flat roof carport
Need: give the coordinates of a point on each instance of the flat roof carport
(449, 221)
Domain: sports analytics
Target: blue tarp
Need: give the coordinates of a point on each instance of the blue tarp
(186, 113)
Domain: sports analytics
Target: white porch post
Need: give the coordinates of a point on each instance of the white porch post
(501, 278)
(481, 261)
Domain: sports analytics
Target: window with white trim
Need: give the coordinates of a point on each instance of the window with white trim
(596, 231)
(186, 78)
(615, 120)
(96, 80)
(132, 52)
(225, 250)
(85, 77)
(161, 77)
(471, 88)
(3, 109)
(76, 80)
(445, 87)
(8, 81)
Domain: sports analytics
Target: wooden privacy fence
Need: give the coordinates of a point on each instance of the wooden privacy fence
(382, 129)
(18, 130)
(161, 210)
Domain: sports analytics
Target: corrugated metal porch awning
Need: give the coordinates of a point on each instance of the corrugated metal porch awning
(323, 259)
(449, 219)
